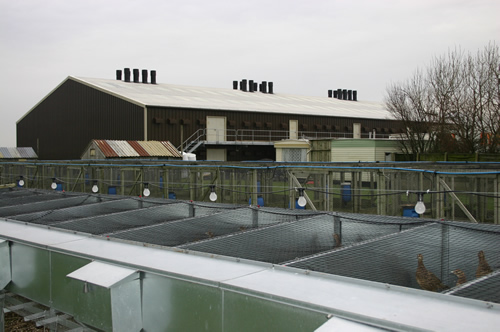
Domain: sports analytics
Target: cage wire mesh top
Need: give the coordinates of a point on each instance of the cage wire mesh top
(377, 248)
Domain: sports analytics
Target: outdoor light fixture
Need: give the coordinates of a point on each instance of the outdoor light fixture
(420, 206)
(54, 184)
(95, 188)
(213, 195)
(146, 192)
(21, 181)
(302, 200)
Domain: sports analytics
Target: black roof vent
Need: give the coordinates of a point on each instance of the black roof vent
(136, 75)
(153, 76)
(118, 75)
(144, 76)
(127, 74)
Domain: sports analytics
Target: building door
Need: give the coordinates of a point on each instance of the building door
(216, 128)
(356, 130)
(294, 129)
(217, 154)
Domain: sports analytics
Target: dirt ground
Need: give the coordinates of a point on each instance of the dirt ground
(16, 323)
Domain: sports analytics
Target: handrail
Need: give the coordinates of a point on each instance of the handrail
(253, 135)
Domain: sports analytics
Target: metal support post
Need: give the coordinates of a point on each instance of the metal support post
(337, 227)
(445, 252)
(255, 218)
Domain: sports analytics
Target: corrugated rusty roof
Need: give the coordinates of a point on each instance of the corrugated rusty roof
(154, 148)
(171, 148)
(17, 153)
(134, 149)
(123, 148)
(106, 150)
(139, 149)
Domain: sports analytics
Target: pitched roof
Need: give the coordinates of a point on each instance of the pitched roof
(169, 95)
(17, 153)
(135, 149)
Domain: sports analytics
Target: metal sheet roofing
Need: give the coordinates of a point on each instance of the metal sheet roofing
(106, 149)
(168, 95)
(17, 153)
(134, 149)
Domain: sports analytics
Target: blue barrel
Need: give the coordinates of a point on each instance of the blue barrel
(409, 211)
(297, 206)
(260, 201)
(171, 195)
(345, 189)
(59, 187)
(112, 190)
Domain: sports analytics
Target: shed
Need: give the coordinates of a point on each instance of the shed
(340, 150)
(110, 149)
(292, 150)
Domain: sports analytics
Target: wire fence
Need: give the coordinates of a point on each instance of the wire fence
(455, 192)
(457, 258)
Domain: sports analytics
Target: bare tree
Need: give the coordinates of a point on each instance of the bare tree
(453, 107)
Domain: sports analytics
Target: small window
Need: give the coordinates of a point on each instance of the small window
(92, 152)
(294, 154)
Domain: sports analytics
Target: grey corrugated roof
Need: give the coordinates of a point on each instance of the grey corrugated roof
(169, 95)
(17, 153)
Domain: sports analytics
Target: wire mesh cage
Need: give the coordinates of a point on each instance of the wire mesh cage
(179, 232)
(82, 211)
(298, 238)
(457, 258)
(58, 202)
(392, 259)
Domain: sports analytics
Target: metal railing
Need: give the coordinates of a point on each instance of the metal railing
(253, 135)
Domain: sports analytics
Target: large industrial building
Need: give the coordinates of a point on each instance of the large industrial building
(241, 123)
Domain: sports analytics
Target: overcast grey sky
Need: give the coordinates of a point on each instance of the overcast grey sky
(304, 47)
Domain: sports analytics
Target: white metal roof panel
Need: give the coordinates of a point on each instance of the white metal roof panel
(168, 95)
(336, 324)
(102, 274)
(123, 148)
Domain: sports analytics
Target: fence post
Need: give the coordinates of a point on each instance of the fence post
(496, 200)
(382, 198)
(445, 252)
(337, 227)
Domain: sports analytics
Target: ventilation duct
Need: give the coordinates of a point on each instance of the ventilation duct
(127, 74)
(250, 86)
(339, 93)
(153, 76)
(235, 85)
(264, 87)
(330, 93)
(243, 85)
(144, 76)
(344, 94)
(355, 95)
(136, 75)
(271, 87)
(118, 75)
(349, 94)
